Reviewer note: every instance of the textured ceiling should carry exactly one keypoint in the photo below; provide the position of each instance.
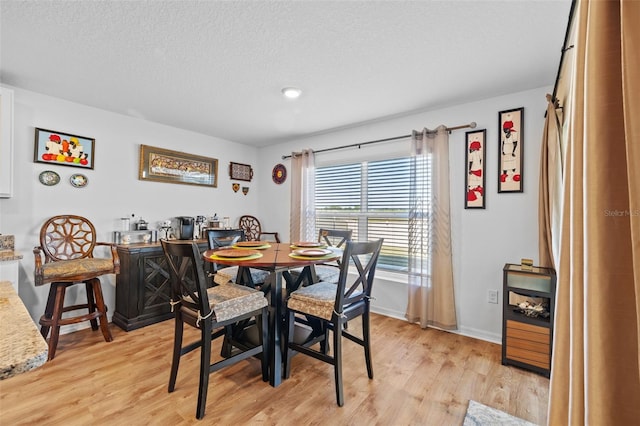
(217, 67)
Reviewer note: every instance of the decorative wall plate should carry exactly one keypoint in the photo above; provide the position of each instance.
(49, 178)
(78, 180)
(279, 173)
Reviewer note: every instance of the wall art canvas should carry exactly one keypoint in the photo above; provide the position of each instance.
(475, 193)
(511, 150)
(163, 165)
(63, 149)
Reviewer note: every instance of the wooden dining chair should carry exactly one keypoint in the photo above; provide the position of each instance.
(67, 243)
(253, 230)
(334, 305)
(219, 238)
(327, 272)
(211, 310)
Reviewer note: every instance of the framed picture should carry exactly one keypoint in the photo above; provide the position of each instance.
(511, 150)
(163, 165)
(63, 149)
(475, 174)
(239, 171)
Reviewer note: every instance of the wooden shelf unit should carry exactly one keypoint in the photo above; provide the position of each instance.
(527, 341)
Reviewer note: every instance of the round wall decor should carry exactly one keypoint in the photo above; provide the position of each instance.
(49, 178)
(78, 180)
(279, 173)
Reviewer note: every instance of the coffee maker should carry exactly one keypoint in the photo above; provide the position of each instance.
(185, 228)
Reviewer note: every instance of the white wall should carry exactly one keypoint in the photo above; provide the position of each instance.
(113, 189)
(483, 240)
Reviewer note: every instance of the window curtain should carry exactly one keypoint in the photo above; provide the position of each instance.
(303, 209)
(595, 376)
(431, 296)
(550, 187)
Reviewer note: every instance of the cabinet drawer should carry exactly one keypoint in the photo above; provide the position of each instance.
(528, 345)
(527, 327)
(529, 357)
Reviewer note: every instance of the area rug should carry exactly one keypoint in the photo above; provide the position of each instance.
(481, 415)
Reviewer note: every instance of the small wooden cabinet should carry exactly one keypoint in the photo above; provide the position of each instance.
(143, 286)
(527, 332)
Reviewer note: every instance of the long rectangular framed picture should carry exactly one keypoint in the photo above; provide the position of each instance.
(163, 165)
(511, 152)
(475, 173)
(63, 149)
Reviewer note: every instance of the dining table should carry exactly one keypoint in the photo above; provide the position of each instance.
(279, 259)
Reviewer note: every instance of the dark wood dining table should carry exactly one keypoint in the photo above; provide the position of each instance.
(276, 259)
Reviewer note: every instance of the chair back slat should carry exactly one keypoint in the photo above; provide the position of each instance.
(188, 283)
(334, 237)
(363, 256)
(67, 237)
(224, 237)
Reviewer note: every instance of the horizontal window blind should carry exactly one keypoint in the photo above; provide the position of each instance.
(372, 200)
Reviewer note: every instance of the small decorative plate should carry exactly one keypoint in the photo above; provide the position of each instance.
(279, 173)
(49, 178)
(250, 244)
(235, 253)
(312, 252)
(308, 244)
(78, 180)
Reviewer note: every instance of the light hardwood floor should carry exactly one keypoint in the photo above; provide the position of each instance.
(421, 377)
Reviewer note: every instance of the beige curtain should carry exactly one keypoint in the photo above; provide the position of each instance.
(303, 209)
(595, 376)
(550, 194)
(431, 296)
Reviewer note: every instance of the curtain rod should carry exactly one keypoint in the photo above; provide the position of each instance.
(564, 49)
(448, 129)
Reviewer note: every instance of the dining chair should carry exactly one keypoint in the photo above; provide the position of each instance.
(330, 271)
(211, 310)
(219, 238)
(334, 305)
(67, 243)
(253, 230)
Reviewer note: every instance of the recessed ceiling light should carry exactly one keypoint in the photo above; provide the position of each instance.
(291, 92)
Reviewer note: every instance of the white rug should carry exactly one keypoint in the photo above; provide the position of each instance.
(481, 415)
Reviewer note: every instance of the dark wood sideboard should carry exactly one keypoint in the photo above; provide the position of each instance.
(143, 286)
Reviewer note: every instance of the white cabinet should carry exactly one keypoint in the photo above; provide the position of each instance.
(6, 142)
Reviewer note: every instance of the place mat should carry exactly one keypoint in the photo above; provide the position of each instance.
(325, 257)
(314, 252)
(250, 257)
(307, 244)
(257, 245)
(234, 253)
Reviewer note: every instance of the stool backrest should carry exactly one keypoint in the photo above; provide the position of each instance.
(67, 237)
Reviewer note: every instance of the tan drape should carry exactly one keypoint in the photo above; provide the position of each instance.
(595, 375)
(302, 217)
(431, 292)
(549, 194)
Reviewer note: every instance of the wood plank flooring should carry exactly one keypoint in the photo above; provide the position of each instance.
(421, 377)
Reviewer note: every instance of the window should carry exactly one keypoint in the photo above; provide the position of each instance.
(372, 199)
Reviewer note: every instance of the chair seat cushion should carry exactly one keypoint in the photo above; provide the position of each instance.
(325, 273)
(67, 270)
(229, 274)
(231, 300)
(318, 300)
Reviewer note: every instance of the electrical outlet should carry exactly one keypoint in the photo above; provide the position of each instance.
(492, 296)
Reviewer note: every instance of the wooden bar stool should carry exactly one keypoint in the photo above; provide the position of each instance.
(67, 242)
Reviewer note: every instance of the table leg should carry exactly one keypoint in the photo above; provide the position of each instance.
(275, 335)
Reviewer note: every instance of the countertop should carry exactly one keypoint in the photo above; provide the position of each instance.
(22, 347)
(6, 255)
